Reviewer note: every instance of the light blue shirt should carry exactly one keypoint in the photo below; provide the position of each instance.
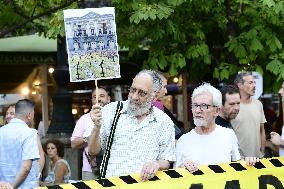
(17, 143)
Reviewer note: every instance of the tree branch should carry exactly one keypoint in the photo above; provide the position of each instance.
(17, 26)
(17, 10)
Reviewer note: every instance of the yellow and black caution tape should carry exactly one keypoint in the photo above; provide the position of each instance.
(266, 174)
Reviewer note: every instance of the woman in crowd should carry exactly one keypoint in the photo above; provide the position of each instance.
(10, 113)
(58, 169)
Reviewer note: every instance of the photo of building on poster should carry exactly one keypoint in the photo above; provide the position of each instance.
(91, 42)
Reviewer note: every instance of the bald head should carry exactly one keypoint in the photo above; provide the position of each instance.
(154, 78)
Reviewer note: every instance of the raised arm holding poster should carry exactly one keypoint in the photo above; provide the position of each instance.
(91, 42)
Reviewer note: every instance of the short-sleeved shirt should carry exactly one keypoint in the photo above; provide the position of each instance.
(83, 125)
(220, 146)
(135, 143)
(247, 128)
(17, 143)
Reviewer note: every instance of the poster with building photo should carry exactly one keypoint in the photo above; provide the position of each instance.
(91, 42)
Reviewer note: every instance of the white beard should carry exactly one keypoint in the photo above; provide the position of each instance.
(138, 110)
(200, 122)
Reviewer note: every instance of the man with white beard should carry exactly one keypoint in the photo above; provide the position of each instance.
(143, 141)
(208, 143)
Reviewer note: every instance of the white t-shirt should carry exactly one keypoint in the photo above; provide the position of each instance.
(220, 146)
(281, 149)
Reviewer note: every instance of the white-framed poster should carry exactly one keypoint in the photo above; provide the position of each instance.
(91, 42)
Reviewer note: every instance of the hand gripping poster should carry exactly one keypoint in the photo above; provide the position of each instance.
(91, 42)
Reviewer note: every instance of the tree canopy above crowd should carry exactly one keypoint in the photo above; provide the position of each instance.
(204, 38)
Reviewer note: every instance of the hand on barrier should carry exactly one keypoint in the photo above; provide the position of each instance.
(149, 170)
(190, 166)
(251, 160)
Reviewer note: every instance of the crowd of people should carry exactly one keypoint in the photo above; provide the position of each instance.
(140, 135)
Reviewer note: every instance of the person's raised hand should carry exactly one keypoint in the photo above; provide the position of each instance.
(96, 115)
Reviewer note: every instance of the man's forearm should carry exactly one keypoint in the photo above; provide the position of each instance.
(41, 154)
(78, 143)
(23, 173)
(94, 142)
(262, 138)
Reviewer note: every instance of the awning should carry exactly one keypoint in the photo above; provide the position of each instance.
(29, 43)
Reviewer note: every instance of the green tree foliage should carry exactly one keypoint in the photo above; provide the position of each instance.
(19, 17)
(199, 36)
(206, 38)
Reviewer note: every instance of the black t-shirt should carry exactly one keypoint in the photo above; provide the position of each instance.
(222, 122)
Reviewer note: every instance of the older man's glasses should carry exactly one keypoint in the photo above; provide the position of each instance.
(140, 92)
(202, 106)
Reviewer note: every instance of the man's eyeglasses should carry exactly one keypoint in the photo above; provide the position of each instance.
(140, 92)
(202, 106)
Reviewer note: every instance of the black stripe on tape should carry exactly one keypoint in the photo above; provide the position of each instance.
(173, 174)
(128, 179)
(237, 166)
(81, 185)
(276, 163)
(154, 178)
(54, 187)
(216, 168)
(105, 183)
(259, 165)
(198, 172)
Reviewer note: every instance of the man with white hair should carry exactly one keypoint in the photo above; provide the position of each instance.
(144, 136)
(207, 143)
